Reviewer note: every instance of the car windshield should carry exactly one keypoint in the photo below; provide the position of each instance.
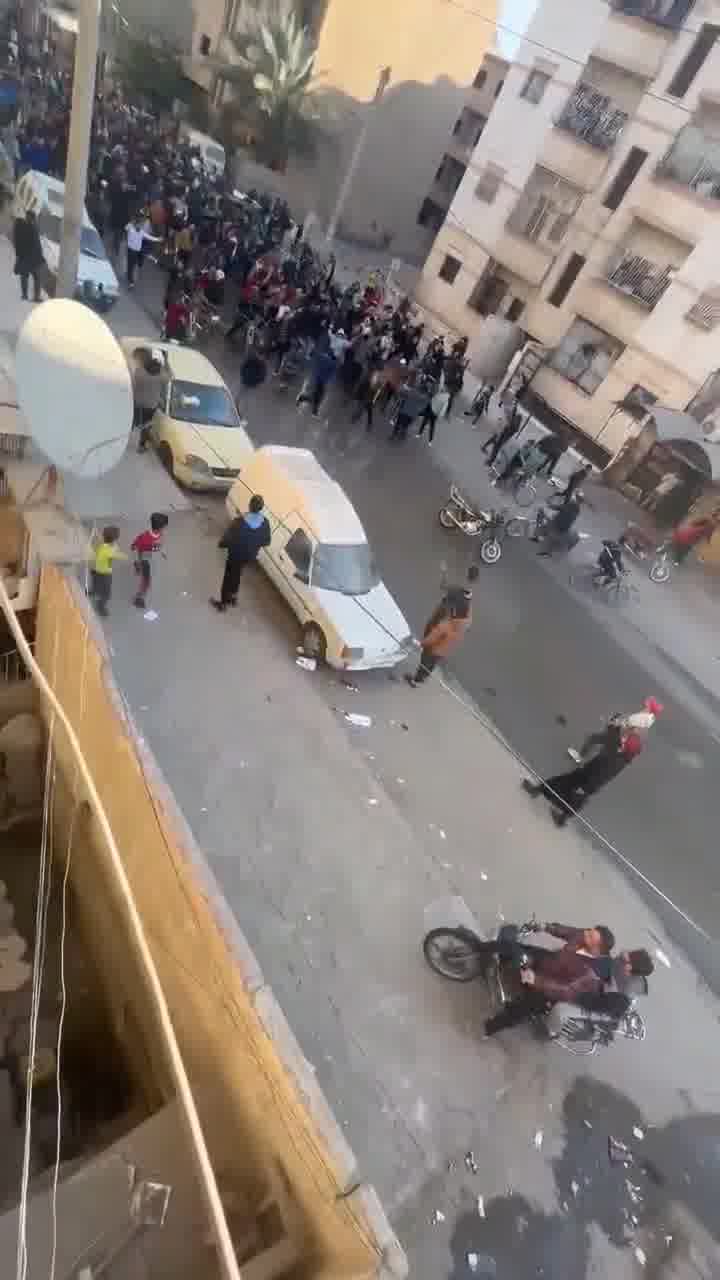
(350, 569)
(208, 406)
(50, 226)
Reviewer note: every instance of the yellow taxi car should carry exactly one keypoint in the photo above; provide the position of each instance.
(197, 431)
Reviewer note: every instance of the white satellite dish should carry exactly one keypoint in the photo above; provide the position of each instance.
(74, 387)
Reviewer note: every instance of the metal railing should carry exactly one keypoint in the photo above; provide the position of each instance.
(12, 667)
(591, 116)
(694, 163)
(665, 13)
(638, 277)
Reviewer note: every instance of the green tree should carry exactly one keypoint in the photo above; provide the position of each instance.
(150, 68)
(268, 66)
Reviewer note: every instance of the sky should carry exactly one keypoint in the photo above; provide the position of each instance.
(514, 14)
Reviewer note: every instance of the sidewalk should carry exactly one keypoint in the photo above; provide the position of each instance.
(336, 848)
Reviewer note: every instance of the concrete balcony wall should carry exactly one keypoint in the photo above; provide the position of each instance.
(633, 44)
(569, 157)
(523, 257)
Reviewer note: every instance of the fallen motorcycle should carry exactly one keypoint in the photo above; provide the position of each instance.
(458, 953)
(489, 526)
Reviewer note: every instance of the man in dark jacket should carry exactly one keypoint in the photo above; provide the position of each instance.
(613, 750)
(578, 969)
(243, 540)
(29, 259)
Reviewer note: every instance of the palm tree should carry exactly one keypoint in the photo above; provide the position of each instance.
(269, 66)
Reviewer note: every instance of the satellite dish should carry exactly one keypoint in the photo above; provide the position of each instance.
(74, 388)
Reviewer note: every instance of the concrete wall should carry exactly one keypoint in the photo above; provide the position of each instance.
(267, 1122)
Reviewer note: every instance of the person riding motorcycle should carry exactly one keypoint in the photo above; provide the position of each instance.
(628, 980)
(610, 562)
(579, 968)
(559, 534)
(526, 459)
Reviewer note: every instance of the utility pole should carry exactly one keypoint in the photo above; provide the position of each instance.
(83, 99)
(383, 82)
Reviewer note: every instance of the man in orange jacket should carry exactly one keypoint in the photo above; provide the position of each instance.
(443, 633)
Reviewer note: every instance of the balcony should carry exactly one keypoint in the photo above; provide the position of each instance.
(638, 278)
(693, 161)
(591, 117)
(664, 13)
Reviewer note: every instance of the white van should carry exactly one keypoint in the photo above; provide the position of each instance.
(320, 559)
(46, 196)
(212, 152)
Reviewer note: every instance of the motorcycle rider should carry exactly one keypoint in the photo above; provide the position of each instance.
(580, 967)
(610, 562)
(558, 533)
(628, 979)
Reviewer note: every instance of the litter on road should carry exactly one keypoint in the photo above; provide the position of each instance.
(483, 875)
(662, 957)
(372, 800)
(640, 1255)
(470, 1162)
(638, 1132)
(308, 664)
(150, 615)
(538, 1140)
(481, 1206)
(362, 722)
(437, 1217)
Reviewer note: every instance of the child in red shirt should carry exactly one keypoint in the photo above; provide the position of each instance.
(144, 546)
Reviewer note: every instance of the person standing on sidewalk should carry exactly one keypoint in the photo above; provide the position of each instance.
(437, 408)
(444, 630)
(29, 257)
(480, 404)
(499, 439)
(105, 554)
(569, 792)
(144, 546)
(242, 540)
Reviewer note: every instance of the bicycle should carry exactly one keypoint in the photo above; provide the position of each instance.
(615, 591)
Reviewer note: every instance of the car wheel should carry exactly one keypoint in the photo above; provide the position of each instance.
(314, 642)
(166, 457)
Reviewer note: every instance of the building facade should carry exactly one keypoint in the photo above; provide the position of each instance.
(433, 53)
(588, 223)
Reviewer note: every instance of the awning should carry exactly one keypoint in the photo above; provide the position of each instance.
(673, 425)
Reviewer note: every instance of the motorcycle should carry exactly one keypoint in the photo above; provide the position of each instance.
(487, 525)
(637, 542)
(457, 953)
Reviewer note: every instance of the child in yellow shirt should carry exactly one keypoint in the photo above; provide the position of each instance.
(105, 553)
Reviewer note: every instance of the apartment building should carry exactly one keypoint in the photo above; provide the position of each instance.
(432, 53)
(587, 226)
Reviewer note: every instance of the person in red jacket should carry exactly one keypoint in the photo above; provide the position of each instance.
(144, 546)
(579, 968)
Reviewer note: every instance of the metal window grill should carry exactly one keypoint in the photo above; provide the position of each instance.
(591, 116)
(545, 209)
(705, 313)
(638, 277)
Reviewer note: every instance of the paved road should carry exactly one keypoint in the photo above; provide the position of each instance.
(545, 665)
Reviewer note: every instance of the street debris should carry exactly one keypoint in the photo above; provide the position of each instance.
(400, 782)
(143, 708)
(150, 615)
(483, 875)
(481, 1206)
(638, 1132)
(574, 755)
(575, 1187)
(372, 800)
(640, 1255)
(538, 1139)
(362, 722)
(307, 664)
(451, 1166)
(662, 957)
(619, 1153)
(470, 1162)
(473, 1261)
(634, 1192)
(587, 1124)
(437, 1217)
(442, 834)
(203, 810)
(351, 688)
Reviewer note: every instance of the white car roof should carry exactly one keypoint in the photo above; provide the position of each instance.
(54, 192)
(322, 503)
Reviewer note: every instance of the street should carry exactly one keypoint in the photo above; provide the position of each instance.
(334, 893)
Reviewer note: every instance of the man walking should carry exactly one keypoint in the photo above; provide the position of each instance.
(243, 540)
(617, 747)
(499, 439)
(437, 408)
(444, 629)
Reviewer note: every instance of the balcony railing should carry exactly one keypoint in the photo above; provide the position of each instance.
(694, 161)
(638, 277)
(666, 13)
(591, 116)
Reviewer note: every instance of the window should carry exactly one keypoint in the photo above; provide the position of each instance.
(515, 310)
(449, 269)
(586, 355)
(535, 86)
(480, 78)
(450, 174)
(568, 276)
(667, 13)
(298, 550)
(489, 183)
(545, 209)
(431, 215)
(346, 567)
(705, 313)
(204, 46)
(702, 46)
(499, 88)
(205, 406)
(625, 176)
(468, 127)
(638, 401)
(488, 293)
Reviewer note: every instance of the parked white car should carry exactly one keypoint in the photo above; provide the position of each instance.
(46, 196)
(321, 561)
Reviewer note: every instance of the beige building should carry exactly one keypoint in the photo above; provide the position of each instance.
(586, 230)
(433, 52)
